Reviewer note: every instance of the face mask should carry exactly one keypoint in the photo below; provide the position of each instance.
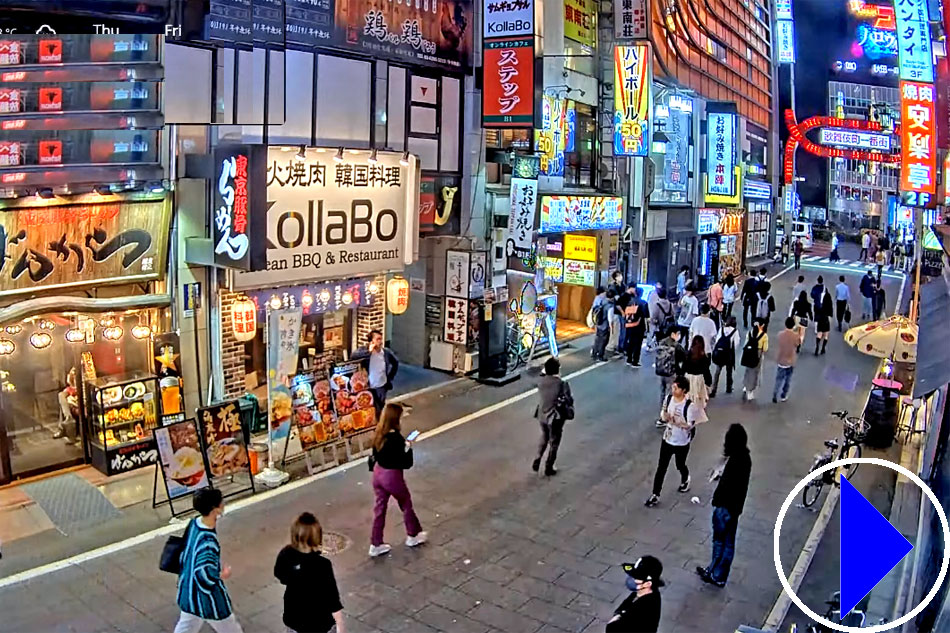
(631, 584)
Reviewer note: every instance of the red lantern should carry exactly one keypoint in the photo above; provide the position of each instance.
(397, 295)
(244, 319)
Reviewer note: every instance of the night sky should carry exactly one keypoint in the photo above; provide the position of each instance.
(820, 25)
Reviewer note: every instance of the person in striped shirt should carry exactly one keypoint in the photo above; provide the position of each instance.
(202, 596)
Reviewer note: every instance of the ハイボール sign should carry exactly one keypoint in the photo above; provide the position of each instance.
(78, 245)
(329, 219)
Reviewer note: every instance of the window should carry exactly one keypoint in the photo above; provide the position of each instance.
(579, 164)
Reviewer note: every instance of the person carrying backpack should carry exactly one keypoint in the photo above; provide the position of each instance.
(600, 316)
(681, 419)
(727, 349)
(635, 323)
(662, 316)
(670, 362)
(765, 303)
(753, 352)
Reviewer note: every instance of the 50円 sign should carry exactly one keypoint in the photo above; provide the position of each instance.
(73, 246)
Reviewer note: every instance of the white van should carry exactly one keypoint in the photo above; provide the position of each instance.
(802, 230)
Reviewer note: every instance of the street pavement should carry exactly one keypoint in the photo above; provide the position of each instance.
(508, 550)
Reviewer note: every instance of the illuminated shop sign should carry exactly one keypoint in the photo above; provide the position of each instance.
(504, 18)
(756, 190)
(582, 247)
(230, 212)
(508, 83)
(783, 9)
(863, 140)
(707, 221)
(720, 153)
(913, 36)
(631, 100)
(551, 139)
(918, 139)
(562, 214)
(785, 41)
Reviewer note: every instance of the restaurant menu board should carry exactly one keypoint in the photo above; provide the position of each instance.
(352, 400)
(179, 454)
(224, 439)
(579, 273)
(313, 409)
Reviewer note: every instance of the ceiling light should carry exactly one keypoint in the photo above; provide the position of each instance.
(141, 331)
(7, 347)
(40, 340)
(374, 156)
(301, 154)
(113, 333)
(338, 157)
(404, 161)
(75, 335)
(45, 193)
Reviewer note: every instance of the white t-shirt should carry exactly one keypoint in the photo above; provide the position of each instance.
(689, 308)
(674, 434)
(705, 327)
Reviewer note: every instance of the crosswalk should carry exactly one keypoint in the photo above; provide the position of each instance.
(824, 262)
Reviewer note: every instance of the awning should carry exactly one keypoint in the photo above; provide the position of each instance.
(933, 351)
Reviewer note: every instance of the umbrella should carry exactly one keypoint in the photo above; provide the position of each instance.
(894, 338)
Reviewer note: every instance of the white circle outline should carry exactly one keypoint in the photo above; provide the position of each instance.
(879, 628)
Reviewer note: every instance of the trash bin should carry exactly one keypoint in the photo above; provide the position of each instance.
(258, 457)
(881, 417)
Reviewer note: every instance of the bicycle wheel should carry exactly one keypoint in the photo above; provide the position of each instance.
(850, 469)
(811, 492)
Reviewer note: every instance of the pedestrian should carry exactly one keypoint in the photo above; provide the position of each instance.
(842, 299)
(865, 245)
(872, 249)
(765, 303)
(616, 283)
(653, 300)
(202, 596)
(311, 598)
(897, 258)
(799, 249)
(662, 316)
(884, 246)
(756, 345)
(834, 257)
(879, 260)
(613, 318)
(681, 280)
(635, 323)
(785, 249)
(640, 611)
(681, 418)
(824, 313)
(817, 291)
(697, 370)
(689, 308)
(714, 297)
(392, 456)
(725, 352)
(705, 327)
(555, 407)
(729, 292)
(381, 364)
(749, 291)
(599, 315)
(670, 363)
(798, 287)
(879, 300)
(728, 501)
(802, 313)
(867, 295)
(788, 345)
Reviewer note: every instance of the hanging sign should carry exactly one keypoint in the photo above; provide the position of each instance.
(507, 18)
(457, 274)
(232, 186)
(477, 274)
(631, 100)
(582, 247)
(918, 138)
(521, 215)
(630, 19)
(455, 329)
(397, 295)
(913, 40)
(508, 83)
(785, 41)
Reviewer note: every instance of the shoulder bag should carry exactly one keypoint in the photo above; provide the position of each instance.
(170, 560)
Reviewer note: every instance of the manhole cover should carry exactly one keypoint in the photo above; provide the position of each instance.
(334, 543)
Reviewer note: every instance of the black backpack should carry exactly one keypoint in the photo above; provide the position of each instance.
(750, 351)
(668, 322)
(724, 353)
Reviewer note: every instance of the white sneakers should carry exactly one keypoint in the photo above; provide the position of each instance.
(418, 539)
(379, 550)
(411, 541)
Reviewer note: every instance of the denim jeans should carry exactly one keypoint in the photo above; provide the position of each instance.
(867, 307)
(724, 526)
(783, 380)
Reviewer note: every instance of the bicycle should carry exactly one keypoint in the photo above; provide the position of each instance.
(856, 618)
(854, 431)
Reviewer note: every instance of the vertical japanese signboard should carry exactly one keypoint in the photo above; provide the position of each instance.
(632, 100)
(231, 209)
(720, 153)
(508, 88)
(524, 198)
(580, 21)
(785, 41)
(283, 343)
(551, 139)
(630, 19)
(918, 138)
(913, 40)
(456, 321)
(223, 437)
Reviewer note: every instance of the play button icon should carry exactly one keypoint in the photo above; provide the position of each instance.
(870, 547)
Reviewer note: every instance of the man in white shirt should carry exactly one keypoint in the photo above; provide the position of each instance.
(865, 245)
(689, 308)
(705, 327)
(798, 287)
(681, 416)
(380, 364)
(842, 298)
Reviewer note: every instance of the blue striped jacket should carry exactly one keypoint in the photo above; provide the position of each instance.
(201, 591)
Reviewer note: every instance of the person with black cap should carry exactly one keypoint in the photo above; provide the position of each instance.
(640, 612)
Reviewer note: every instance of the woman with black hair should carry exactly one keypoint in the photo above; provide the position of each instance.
(728, 501)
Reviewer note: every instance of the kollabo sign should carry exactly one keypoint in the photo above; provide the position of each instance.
(332, 220)
(507, 18)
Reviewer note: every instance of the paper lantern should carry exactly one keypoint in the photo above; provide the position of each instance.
(7, 347)
(141, 331)
(40, 340)
(244, 319)
(397, 295)
(75, 335)
(112, 333)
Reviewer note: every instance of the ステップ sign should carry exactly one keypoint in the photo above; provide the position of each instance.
(508, 91)
(333, 220)
(918, 138)
(631, 100)
(720, 154)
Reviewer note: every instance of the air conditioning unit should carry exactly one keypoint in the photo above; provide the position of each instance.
(442, 356)
(467, 362)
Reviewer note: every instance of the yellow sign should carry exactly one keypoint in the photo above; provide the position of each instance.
(581, 247)
(580, 21)
(734, 199)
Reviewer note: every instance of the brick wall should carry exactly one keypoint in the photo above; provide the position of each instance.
(232, 350)
(373, 317)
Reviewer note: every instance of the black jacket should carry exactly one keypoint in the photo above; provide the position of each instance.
(734, 483)
(394, 455)
(392, 363)
(698, 368)
(311, 597)
(750, 290)
(637, 615)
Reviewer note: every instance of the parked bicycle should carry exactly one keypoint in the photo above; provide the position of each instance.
(856, 618)
(854, 432)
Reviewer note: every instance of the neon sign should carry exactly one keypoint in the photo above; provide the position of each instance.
(877, 43)
(883, 15)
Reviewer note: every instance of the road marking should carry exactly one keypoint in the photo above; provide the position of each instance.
(419, 392)
(819, 266)
(811, 258)
(781, 272)
(266, 495)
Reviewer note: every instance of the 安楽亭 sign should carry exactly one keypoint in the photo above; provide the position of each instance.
(631, 100)
(918, 138)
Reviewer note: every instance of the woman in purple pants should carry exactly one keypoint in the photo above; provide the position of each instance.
(392, 454)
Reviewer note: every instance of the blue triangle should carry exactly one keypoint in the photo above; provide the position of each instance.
(870, 547)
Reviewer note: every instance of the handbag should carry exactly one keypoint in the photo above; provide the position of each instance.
(170, 560)
(847, 314)
(564, 405)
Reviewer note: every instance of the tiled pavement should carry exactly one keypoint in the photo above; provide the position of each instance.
(509, 551)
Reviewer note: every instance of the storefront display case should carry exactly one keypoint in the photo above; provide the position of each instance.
(122, 413)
